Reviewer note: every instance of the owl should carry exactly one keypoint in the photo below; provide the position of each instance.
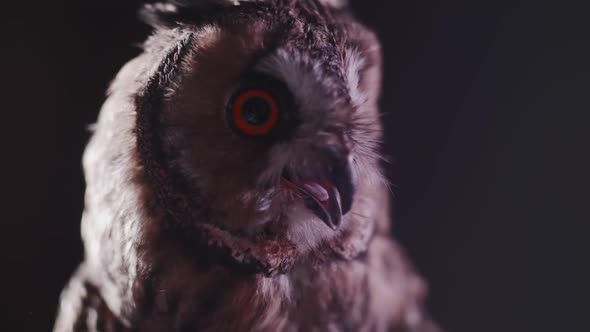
(234, 182)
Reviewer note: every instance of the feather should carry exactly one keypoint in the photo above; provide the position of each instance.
(191, 225)
(208, 3)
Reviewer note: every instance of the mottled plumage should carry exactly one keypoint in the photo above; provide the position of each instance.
(191, 226)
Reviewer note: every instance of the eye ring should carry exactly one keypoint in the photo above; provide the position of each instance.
(244, 125)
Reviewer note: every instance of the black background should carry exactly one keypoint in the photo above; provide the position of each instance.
(487, 113)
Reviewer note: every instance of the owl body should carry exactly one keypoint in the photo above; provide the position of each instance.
(233, 181)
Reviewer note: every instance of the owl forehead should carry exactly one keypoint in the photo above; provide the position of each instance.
(312, 54)
(305, 47)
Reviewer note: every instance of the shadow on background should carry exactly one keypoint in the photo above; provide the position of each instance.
(486, 120)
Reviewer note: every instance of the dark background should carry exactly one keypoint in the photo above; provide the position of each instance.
(487, 114)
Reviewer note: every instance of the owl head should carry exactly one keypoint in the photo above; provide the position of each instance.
(258, 128)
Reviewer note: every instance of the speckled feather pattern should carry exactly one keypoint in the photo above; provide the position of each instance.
(184, 227)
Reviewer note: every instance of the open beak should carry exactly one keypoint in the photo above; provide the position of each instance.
(328, 193)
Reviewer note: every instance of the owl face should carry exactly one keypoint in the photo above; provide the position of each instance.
(267, 119)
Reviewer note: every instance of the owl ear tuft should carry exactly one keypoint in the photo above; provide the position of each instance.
(203, 3)
(169, 14)
(336, 4)
(159, 15)
(209, 3)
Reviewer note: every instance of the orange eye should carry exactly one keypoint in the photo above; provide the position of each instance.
(254, 112)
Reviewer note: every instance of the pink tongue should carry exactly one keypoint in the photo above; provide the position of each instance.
(319, 192)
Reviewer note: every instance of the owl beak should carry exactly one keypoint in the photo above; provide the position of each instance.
(328, 195)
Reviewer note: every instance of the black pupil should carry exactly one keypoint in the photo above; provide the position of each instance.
(256, 111)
